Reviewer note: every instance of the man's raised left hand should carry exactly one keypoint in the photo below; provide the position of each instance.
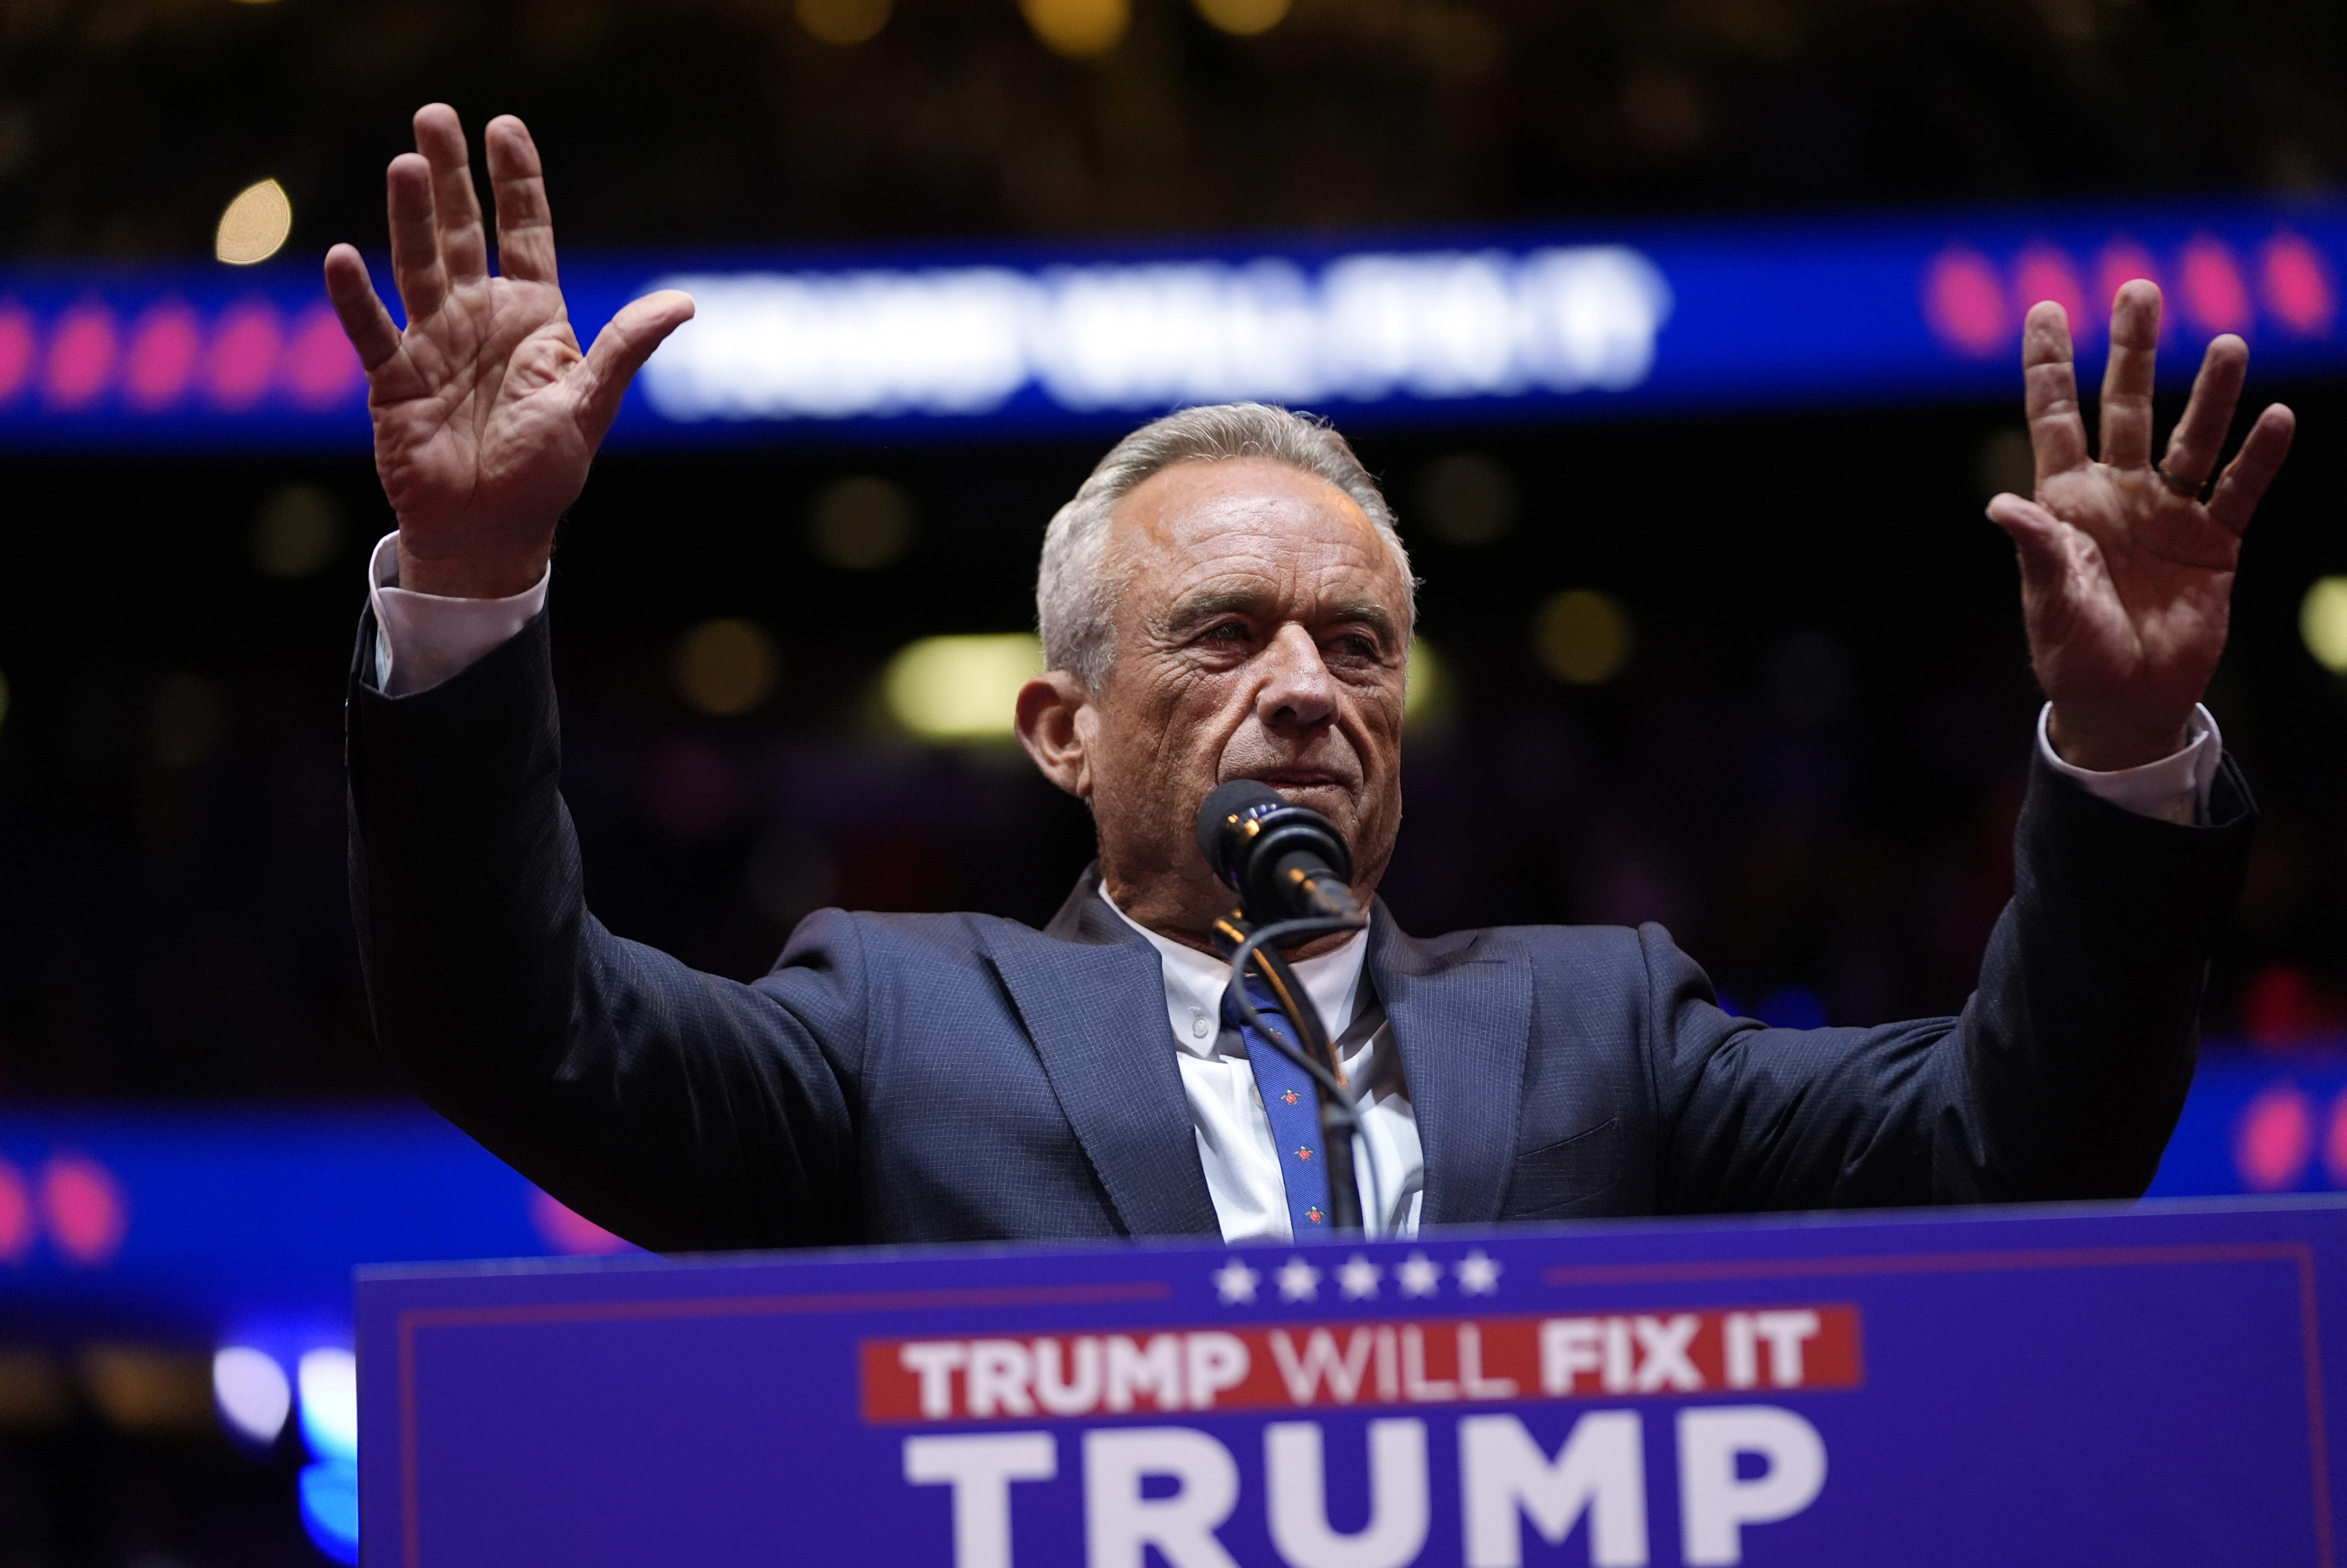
(2127, 574)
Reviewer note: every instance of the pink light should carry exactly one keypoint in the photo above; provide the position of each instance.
(2334, 1142)
(85, 1207)
(163, 349)
(321, 366)
(2121, 264)
(18, 344)
(15, 1215)
(1964, 303)
(82, 355)
(2214, 292)
(572, 1235)
(2274, 1139)
(2298, 286)
(244, 359)
(2043, 271)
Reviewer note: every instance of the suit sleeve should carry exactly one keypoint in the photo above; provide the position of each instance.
(2062, 1080)
(681, 1110)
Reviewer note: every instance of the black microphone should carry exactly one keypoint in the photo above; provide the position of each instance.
(1284, 861)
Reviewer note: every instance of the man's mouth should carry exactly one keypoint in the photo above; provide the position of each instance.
(1302, 778)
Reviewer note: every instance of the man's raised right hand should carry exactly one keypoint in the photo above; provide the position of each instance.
(486, 413)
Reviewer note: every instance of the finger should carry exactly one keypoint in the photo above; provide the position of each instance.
(414, 242)
(463, 248)
(2199, 435)
(524, 222)
(2057, 433)
(620, 350)
(2126, 380)
(2253, 468)
(368, 325)
(2039, 538)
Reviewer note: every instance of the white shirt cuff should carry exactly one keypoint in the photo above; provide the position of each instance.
(423, 639)
(2173, 789)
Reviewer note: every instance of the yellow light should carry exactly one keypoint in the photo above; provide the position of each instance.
(1243, 18)
(186, 723)
(1428, 693)
(723, 668)
(296, 533)
(1582, 637)
(1079, 29)
(2322, 621)
(960, 688)
(861, 524)
(843, 22)
(255, 226)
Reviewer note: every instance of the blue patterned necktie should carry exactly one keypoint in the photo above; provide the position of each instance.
(1294, 1104)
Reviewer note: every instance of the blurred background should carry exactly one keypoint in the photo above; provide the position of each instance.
(1683, 336)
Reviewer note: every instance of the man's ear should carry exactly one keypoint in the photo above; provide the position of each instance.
(1056, 720)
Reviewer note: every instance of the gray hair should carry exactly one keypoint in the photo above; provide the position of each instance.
(1076, 594)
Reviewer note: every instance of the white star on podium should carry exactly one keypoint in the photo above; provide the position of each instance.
(1478, 1275)
(1359, 1278)
(1420, 1275)
(1234, 1282)
(1298, 1280)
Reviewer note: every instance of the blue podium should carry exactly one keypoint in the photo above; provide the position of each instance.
(2154, 1387)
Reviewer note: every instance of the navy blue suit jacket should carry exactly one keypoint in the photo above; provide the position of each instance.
(901, 1078)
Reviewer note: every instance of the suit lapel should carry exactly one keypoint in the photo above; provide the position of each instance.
(1461, 1018)
(1092, 995)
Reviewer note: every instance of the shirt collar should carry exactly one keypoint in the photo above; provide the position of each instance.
(1194, 981)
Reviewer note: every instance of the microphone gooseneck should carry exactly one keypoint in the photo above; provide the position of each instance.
(1293, 874)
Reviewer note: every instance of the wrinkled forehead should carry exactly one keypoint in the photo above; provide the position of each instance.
(1232, 521)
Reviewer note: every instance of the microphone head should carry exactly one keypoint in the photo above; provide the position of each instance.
(1245, 828)
(1222, 819)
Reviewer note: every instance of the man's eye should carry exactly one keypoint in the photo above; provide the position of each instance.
(1229, 632)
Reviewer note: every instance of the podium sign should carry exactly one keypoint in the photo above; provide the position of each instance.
(2015, 1388)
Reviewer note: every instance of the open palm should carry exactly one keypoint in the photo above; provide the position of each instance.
(2127, 573)
(487, 414)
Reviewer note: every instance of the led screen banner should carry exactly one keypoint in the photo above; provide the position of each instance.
(1038, 341)
(2151, 1388)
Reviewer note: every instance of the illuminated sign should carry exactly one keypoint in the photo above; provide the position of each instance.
(1538, 324)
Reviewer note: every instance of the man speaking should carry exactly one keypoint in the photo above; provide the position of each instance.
(1226, 599)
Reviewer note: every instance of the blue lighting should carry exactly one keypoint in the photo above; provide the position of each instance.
(1083, 341)
(330, 1508)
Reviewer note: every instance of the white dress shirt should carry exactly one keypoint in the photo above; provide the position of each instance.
(423, 639)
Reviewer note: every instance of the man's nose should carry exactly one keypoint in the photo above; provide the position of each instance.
(1297, 692)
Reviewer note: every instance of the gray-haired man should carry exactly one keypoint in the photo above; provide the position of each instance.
(1225, 598)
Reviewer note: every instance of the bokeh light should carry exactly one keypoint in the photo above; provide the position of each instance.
(1582, 637)
(328, 1382)
(144, 1389)
(2274, 1139)
(186, 723)
(255, 225)
(330, 1508)
(1467, 500)
(84, 1208)
(843, 22)
(1429, 694)
(1079, 29)
(2322, 623)
(724, 668)
(253, 1393)
(296, 533)
(861, 523)
(2007, 464)
(961, 688)
(1243, 19)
